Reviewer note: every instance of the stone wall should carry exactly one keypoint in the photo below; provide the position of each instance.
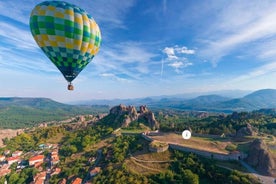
(219, 156)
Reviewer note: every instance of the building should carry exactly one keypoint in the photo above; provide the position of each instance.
(40, 178)
(157, 146)
(45, 146)
(95, 171)
(63, 181)
(2, 158)
(12, 160)
(4, 170)
(17, 153)
(54, 157)
(36, 160)
(77, 181)
(55, 171)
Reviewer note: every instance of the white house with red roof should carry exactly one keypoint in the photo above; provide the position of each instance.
(36, 159)
(12, 160)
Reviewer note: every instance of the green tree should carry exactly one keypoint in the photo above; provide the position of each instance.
(189, 177)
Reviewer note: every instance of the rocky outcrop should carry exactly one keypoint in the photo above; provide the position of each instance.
(146, 116)
(246, 131)
(127, 114)
(260, 158)
(8, 133)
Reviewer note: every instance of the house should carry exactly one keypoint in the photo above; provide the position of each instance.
(55, 161)
(4, 170)
(95, 171)
(55, 171)
(77, 181)
(2, 158)
(36, 160)
(63, 181)
(54, 157)
(12, 160)
(45, 146)
(17, 153)
(39, 178)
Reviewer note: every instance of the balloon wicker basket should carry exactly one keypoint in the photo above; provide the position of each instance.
(70, 87)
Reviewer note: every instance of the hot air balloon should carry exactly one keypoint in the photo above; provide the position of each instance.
(67, 34)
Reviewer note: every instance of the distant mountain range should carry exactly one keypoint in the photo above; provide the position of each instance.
(28, 112)
(260, 99)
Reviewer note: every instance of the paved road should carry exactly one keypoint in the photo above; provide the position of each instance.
(263, 179)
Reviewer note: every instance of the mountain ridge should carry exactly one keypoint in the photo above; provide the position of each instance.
(260, 99)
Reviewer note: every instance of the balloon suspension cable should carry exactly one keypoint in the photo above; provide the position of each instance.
(70, 86)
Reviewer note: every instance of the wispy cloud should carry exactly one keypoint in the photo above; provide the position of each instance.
(17, 38)
(237, 24)
(109, 11)
(115, 77)
(130, 58)
(257, 72)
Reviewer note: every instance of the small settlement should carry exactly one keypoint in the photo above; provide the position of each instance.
(46, 164)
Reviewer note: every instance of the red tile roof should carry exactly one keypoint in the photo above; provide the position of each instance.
(13, 158)
(77, 181)
(37, 157)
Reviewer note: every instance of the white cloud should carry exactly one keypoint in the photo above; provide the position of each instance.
(169, 51)
(236, 25)
(175, 57)
(176, 64)
(184, 50)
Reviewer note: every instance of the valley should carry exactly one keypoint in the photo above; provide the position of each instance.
(121, 146)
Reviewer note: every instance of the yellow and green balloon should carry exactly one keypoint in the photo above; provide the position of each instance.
(67, 34)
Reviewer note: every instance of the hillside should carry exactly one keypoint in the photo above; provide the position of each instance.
(28, 112)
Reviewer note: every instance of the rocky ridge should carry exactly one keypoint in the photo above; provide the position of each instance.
(124, 115)
(260, 158)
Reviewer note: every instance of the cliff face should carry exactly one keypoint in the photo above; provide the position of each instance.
(260, 158)
(247, 131)
(127, 114)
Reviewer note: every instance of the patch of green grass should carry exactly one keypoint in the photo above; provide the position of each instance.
(244, 147)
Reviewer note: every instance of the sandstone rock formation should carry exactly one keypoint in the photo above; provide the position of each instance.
(246, 131)
(127, 114)
(260, 158)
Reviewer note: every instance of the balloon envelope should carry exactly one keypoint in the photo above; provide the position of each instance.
(67, 34)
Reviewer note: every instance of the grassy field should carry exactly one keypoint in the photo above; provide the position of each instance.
(201, 143)
(150, 167)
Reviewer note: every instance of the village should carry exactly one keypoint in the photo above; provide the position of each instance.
(45, 160)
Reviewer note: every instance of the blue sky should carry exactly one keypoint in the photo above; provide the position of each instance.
(149, 48)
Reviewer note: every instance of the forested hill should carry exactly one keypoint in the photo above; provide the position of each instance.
(27, 112)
